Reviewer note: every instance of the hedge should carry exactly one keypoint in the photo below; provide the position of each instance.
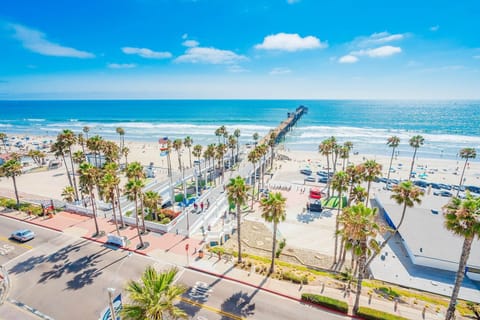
(294, 277)
(331, 303)
(372, 314)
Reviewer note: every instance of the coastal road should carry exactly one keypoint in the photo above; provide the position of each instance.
(66, 277)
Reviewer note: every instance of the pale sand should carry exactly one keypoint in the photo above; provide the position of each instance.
(50, 183)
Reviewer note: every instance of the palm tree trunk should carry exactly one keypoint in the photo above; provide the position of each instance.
(142, 215)
(119, 207)
(390, 167)
(341, 253)
(274, 245)
(136, 223)
(411, 168)
(384, 244)
(361, 263)
(239, 241)
(73, 175)
(190, 156)
(112, 196)
(467, 245)
(68, 172)
(368, 193)
(337, 224)
(16, 190)
(328, 177)
(253, 186)
(94, 212)
(461, 178)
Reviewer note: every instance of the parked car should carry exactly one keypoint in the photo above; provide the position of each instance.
(323, 179)
(310, 179)
(306, 172)
(420, 183)
(23, 235)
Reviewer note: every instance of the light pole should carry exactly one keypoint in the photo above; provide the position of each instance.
(110, 303)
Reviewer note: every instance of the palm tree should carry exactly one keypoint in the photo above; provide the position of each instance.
(262, 152)
(88, 181)
(37, 156)
(220, 151)
(272, 141)
(355, 175)
(109, 184)
(3, 138)
(151, 200)
(68, 139)
(81, 141)
(253, 157)
(466, 153)
(340, 184)
(462, 218)
(372, 171)
(415, 142)
(393, 143)
(188, 142)
(12, 169)
(79, 157)
(274, 210)
(86, 130)
(325, 148)
(237, 192)
(112, 168)
(220, 132)
(58, 148)
(236, 134)
(343, 153)
(135, 171)
(349, 146)
(208, 154)
(68, 194)
(232, 145)
(111, 151)
(360, 227)
(121, 133)
(154, 297)
(177, 145)
(255, 137)
(405, 193)
(133, 190)
(94, 144)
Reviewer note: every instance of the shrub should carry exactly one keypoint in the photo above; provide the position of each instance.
(282, 244)
(328, 302)
(389, 292)
(165, 220)
(289, 275)
(128, 213)
(170, 213)
(372, 314)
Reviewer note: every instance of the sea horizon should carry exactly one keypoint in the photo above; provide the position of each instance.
(447, 125)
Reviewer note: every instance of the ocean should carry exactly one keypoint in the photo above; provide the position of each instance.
(447, 126)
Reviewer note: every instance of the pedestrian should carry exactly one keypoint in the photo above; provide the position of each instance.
(208, 203)
(201, 205)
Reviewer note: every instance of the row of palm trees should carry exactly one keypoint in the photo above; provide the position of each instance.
(357, 226)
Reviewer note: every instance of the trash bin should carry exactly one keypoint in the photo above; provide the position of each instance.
(200, 254)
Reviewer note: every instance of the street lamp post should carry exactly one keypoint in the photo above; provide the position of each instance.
(110, 303)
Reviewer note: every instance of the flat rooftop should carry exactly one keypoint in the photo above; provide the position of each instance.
(424, 232)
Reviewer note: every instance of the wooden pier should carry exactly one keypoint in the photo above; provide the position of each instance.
(285, 126)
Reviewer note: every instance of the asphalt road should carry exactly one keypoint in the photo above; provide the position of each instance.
(65, 277)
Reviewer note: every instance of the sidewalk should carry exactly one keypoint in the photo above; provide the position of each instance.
(171, 247)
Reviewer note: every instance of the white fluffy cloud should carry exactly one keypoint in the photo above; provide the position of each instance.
(146, 53)
(348, 59)
(279, 70)
(380, 52)
(36, 41)
(290, 42)
(210, 56)
(121, 65)
(190, 43)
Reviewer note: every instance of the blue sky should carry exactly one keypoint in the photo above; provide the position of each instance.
(251, 49)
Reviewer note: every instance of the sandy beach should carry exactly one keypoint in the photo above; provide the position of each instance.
(49, 183)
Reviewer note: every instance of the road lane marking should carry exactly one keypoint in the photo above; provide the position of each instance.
(26, 246)
(204, 306)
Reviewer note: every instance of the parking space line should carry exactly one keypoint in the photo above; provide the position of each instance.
(26, 246)
(204, 306)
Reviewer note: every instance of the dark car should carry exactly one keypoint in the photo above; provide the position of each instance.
(314, 206)
(420, 183)
(306, 172)
(323, 179)
(23, 235)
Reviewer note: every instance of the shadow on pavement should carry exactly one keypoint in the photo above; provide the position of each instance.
(27, 265)
(239, 304)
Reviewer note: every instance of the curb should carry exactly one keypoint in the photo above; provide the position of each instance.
(31, 222)
(272, 292)
(123, 248)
